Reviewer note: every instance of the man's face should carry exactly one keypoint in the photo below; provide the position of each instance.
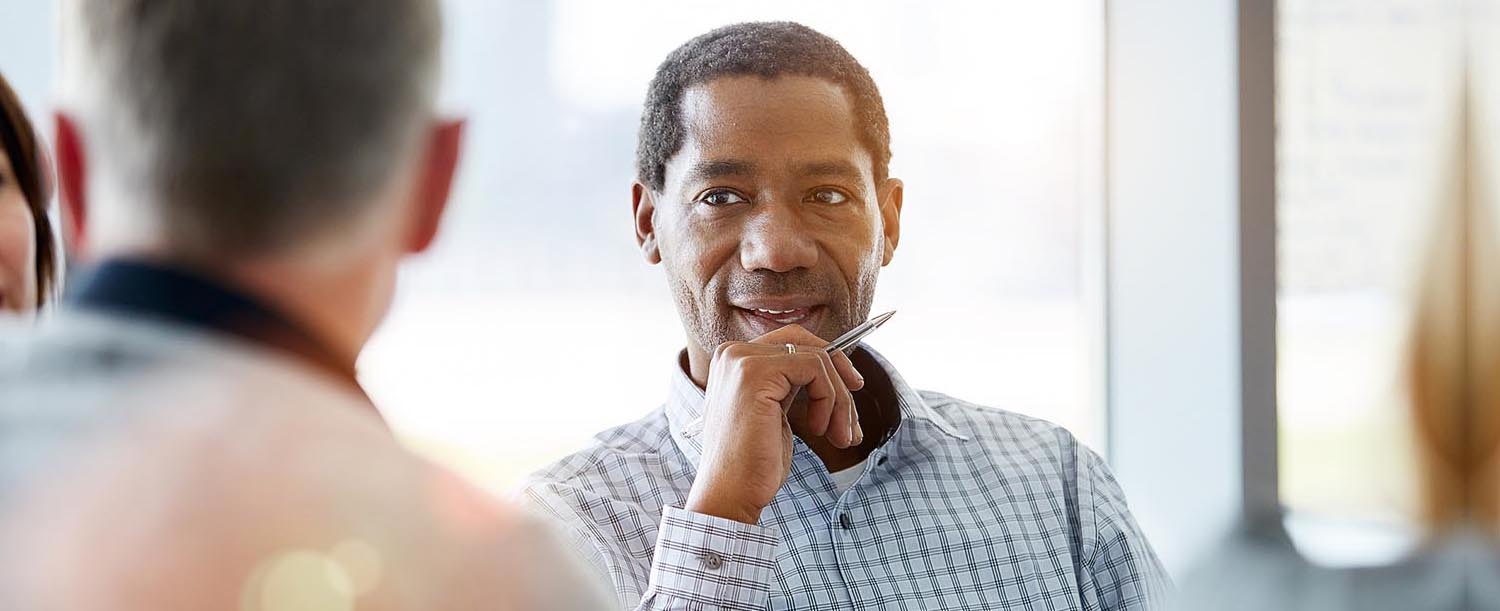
(17, 244)
(770, 213)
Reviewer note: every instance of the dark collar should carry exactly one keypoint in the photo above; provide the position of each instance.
(182, 297)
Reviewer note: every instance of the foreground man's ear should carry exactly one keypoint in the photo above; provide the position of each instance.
(440, 163)
(72, 177)
(891, 192)
(643, 206)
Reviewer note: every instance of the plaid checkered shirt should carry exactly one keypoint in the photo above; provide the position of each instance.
(962, 507)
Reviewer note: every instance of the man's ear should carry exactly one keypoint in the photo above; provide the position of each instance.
(891, 192)
(435, 181)
(72, 178)
(643, 206)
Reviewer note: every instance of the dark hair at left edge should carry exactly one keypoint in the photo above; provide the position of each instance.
(29, 161)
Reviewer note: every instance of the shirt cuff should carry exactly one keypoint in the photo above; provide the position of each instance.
(713, 561)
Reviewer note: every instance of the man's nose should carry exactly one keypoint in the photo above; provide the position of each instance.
(777, 240)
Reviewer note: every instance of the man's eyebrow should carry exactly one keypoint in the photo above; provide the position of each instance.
(834, 167)
(705, 171)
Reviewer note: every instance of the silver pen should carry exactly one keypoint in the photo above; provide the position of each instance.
(848, 341)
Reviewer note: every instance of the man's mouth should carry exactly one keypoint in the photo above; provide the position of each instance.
(790, 316)
(763, 316)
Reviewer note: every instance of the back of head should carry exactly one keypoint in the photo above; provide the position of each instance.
(231, 128)
(768, 50)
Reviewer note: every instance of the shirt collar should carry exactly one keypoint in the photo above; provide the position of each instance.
(686, 401)
(182, 297)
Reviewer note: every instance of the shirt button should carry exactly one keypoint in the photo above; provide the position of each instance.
(880, 462)
(712, 561)
(845, 521)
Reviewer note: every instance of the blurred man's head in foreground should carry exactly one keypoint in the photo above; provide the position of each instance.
(277, 133)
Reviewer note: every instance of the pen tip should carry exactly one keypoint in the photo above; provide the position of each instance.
(880, 320)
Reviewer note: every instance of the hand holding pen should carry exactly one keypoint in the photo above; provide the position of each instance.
(746, 434)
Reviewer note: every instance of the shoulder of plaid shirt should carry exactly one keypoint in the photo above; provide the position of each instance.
(962, 507)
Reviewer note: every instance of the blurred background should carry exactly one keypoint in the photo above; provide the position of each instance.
(1368, 94)
(1004, 132)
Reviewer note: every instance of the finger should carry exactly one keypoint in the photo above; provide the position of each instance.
(796, 334)
(859, 431)
(797, 371)
(847, 372)
(840, 428)
(822, 396)
(729, 352)
(834, 420)
(818, 417)
(791, 334)
(748, 349)
(741, 350)
(830, 407)
(719, 351)
(790, 400)
(819, 414)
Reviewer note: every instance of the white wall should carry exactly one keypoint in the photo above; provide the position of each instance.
(28, 51)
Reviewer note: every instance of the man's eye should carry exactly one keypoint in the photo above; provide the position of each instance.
(829, 196)
(722, 198)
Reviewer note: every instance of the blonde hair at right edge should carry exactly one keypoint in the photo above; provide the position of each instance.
(1454, 357)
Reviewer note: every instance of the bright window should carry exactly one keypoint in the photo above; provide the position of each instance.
(1367, 96)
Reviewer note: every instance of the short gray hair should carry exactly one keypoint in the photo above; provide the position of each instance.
(251, 125)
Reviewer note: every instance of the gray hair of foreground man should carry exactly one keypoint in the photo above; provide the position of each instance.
(230, 127)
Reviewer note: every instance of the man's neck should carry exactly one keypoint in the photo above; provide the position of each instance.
(335, 307)
(332, 304)
(697, 364)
